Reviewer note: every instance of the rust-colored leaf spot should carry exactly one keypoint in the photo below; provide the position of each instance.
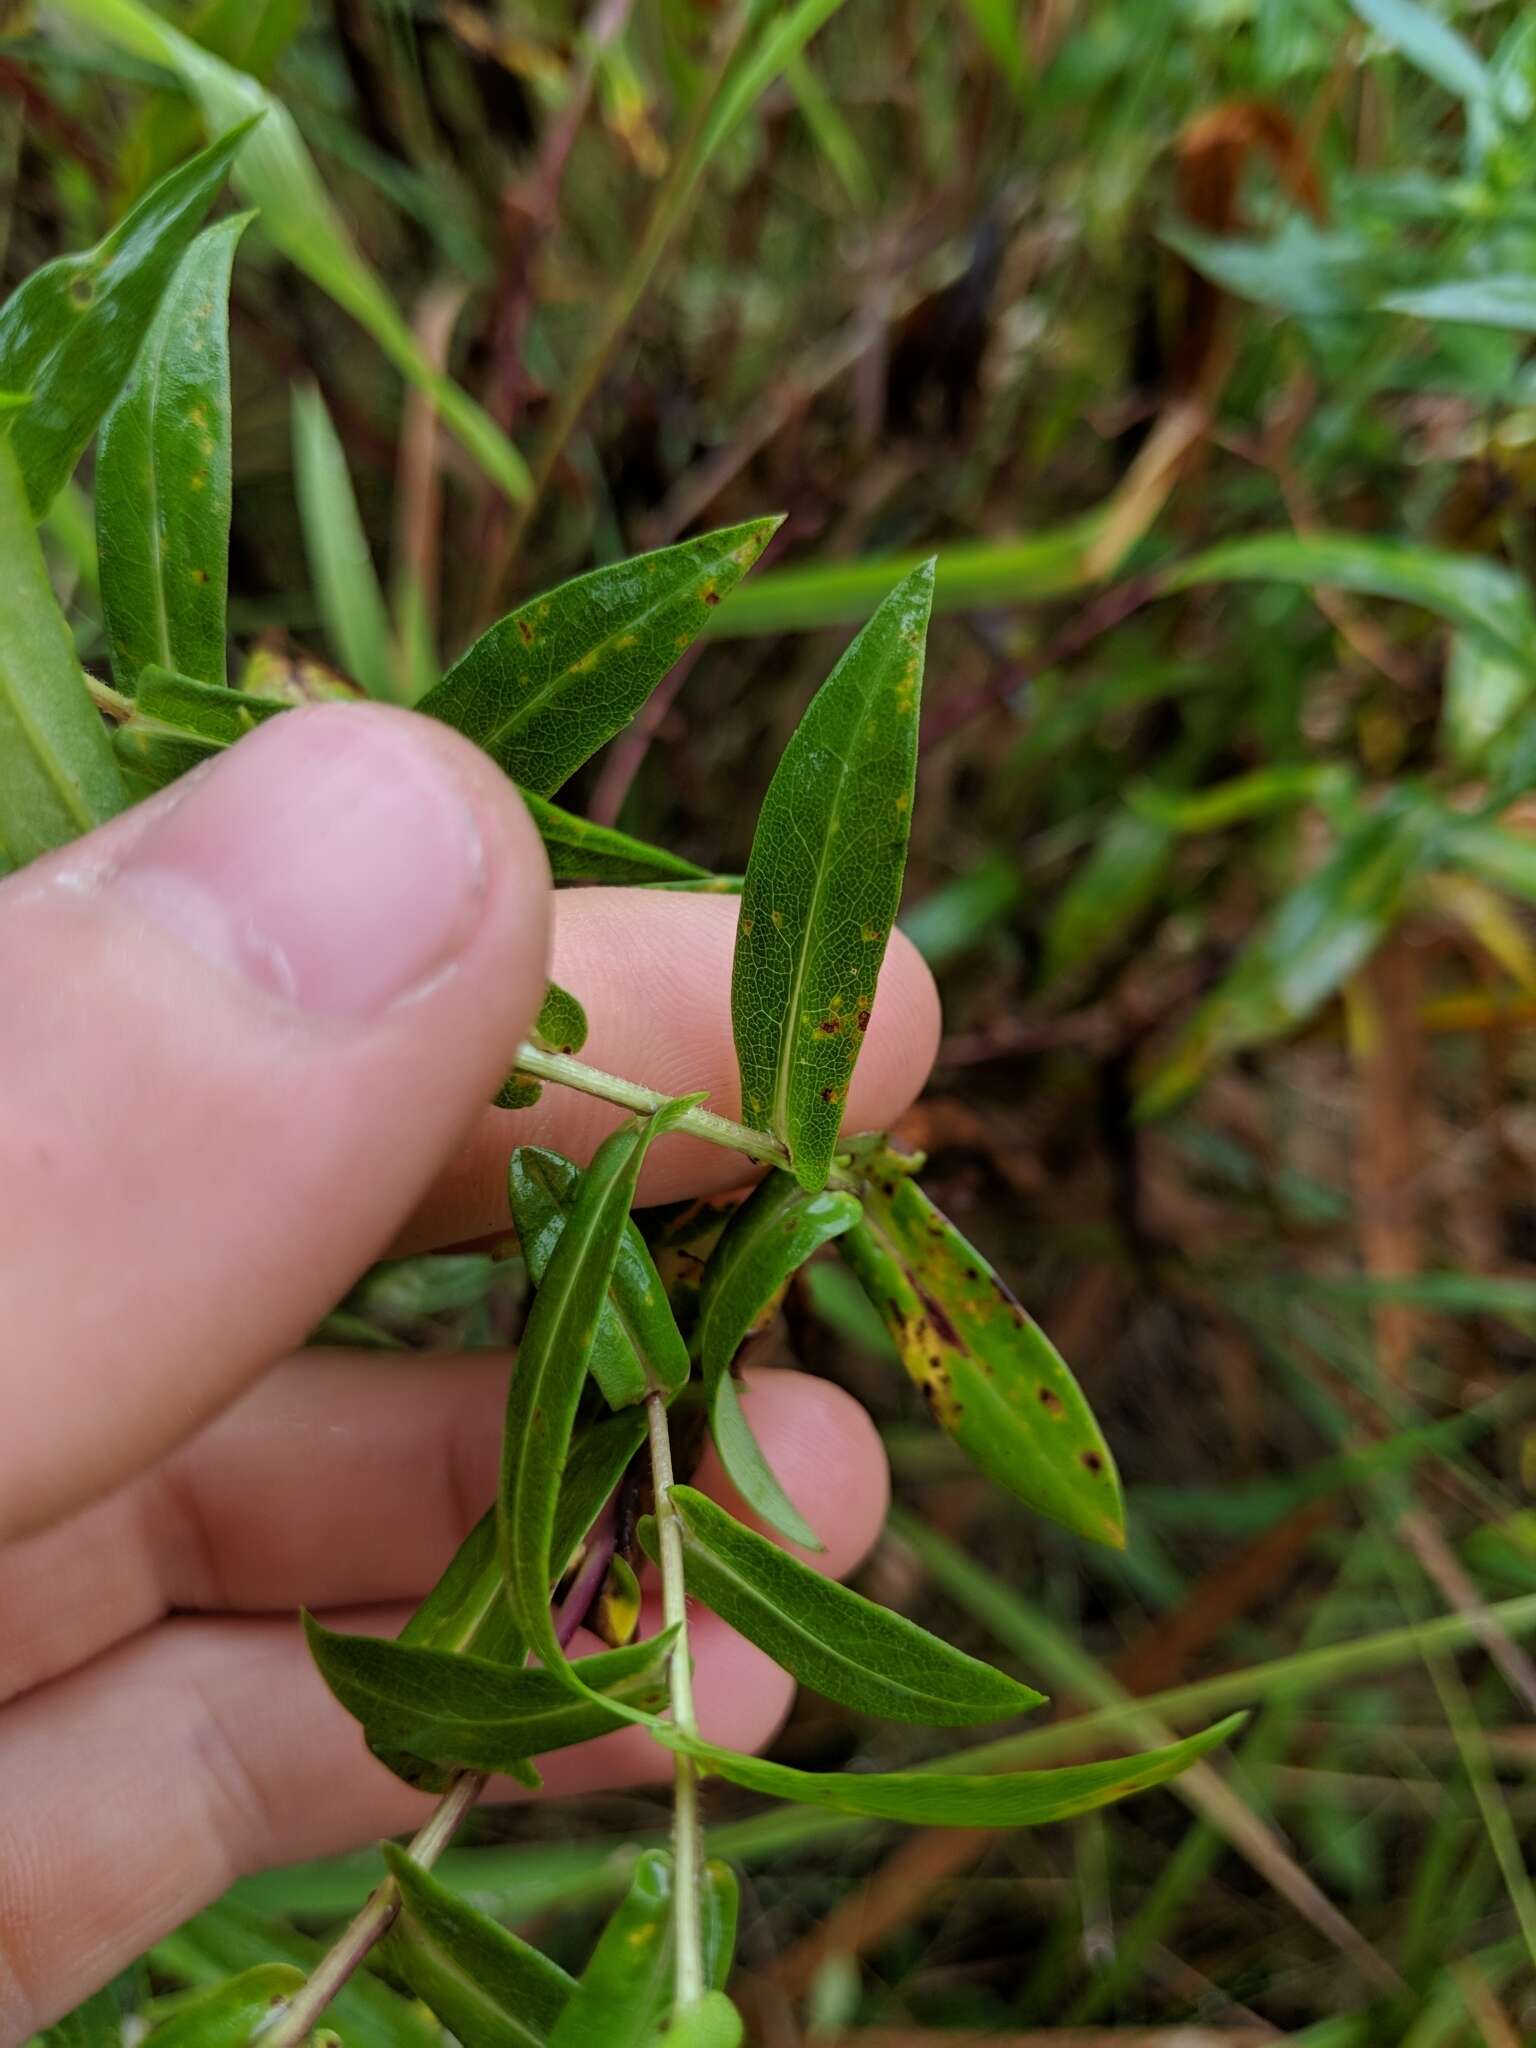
(1050, 1400)
(1092, 1461)
(525, 632)
(941, 1322)
(862, 1020)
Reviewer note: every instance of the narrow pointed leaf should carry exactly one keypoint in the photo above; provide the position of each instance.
(163, 487)
(720, 1909)
(58, 777)
(636, 1347)
(622, 1994)
(486, 1986)
(227, 2015)
(1008, 1799)
(843, 1646)
(69, 335)
(580, 851)
(486, 1717)
(824, 882)
(713, 2023)
(552, 1364)
(1309, 946)
(546, 686)
(346, 584)
(767, 1241)
(990, 1376)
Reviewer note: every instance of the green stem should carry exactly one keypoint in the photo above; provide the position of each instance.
(687, 1833)
(296, 2021)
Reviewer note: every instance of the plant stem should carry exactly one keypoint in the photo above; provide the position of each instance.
(687, 1834)
(298, 2019)
(699, 1123)
(105, 698)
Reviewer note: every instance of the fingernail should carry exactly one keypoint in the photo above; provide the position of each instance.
(329, 859)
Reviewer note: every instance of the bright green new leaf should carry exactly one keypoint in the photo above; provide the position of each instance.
(69, 335)
(768, 1239)
(637, 1348)
(713, 2023)
(824, 882)
(552, 1364)
(278, 176)
(1009, 1799)
(346, 585)
(227, 2015)
(57, 774)
(583, 852)
(546, 686)
(621, 1996)
(832, 1639)
(163, 489)
(991, 1377)
(487, 1987)
(1306, 950)
(719, 1911)
(1466, 589)
(455, 1709)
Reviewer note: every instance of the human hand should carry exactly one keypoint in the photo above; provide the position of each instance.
(247, 1033)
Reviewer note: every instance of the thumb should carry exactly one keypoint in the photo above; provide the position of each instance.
(241, 1028)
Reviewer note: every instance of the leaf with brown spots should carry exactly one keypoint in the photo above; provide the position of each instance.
(163, 489)
(545, 687)
(824, 882)
(990, 1377)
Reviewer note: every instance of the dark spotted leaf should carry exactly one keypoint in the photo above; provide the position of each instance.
(824, 882)
(636, 1348)
(1008, 1799)
(488, 1987)
(990, 1376)
(69, 335)
(552, 1365)
(621, 1997)
(163, 488)
(463, 1710)
(546, 686)
(832, 1639)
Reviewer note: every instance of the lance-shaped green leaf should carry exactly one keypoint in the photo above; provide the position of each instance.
(546, 686)
(57, 774)
(769, 1239)
(713, 2023)
(1471, 592)
(1309, 946)
(621, 1997)
(1485, 689)
(637, 1348)
(163, 489)
(552, 1364)
(824, 882)
(69, 335)
(937, 1799)
(228, 2015)
(346, 585)
(580, 851)
(719, 1911)
(487, 1717)
(485, 1985)
(561, 1026)
(830, 1638)
(468, 1613)
(990, 1376)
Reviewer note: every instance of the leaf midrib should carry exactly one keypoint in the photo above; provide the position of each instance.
(785, 1062)
(477, 1993)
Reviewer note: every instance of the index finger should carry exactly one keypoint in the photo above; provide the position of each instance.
(653, 971)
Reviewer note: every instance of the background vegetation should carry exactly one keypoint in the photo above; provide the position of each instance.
(1195, 336)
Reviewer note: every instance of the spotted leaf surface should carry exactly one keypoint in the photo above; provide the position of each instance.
(546, 686)
(163, 478)
(824, 881)
(991, 1377)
